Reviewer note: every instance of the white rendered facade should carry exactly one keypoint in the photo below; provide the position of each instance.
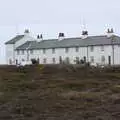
(97, 55)
(10, 49)
(49, 55)
(100, 54)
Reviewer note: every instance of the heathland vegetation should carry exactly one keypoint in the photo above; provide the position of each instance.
(59, 92)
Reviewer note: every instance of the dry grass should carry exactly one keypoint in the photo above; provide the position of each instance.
(59, 92)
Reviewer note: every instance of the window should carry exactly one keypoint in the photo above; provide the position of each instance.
(67, 60)
(54, 61)
(77, 60)
(77, 49)
(66, 50)
(16, 61)
(102, 48)
(23, 52)
(18, 52)
(44, 51)
(31, 51)
(103, 59)
(53, 50)
(91, 48)
(10, 61)
(92, 59)
(23, 59)
(44, 60)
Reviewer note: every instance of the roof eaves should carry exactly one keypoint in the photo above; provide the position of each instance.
(15, 39)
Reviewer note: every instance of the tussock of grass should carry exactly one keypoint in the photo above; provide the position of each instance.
(115, 89)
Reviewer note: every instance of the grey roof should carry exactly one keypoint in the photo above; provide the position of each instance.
(15, 39)
(90, 40)
(27, 45)
(71, 42)
(45, 44)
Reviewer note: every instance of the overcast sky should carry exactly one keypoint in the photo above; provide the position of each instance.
(50, 17)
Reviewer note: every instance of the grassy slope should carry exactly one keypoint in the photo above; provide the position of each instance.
(59, 93)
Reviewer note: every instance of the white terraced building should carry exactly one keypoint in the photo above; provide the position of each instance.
(103, 49)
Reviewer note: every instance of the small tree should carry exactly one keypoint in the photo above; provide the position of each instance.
(82, 61)
(34, 61)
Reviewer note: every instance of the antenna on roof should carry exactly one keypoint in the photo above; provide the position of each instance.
(17, 29)
(84, 27)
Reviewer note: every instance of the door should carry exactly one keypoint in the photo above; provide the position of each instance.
(16, 61)
(84, 59)
(60, 59)
(109, 60)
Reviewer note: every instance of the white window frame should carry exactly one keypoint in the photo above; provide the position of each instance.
(66, 50)
(31, 51)
(67, 60)
(102, 59)
(44, 51)
(92, 60)
(91, 48)
(18, 52)
(44, 61)
(23, 52)
(102, 48)
(77, 49)
(53, 50)
(54, 60)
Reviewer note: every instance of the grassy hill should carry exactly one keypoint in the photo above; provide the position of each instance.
(55, 92)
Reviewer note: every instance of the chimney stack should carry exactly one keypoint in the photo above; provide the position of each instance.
(26, 33)
(110, 32)
(84, 34)
(61, 36)
(39, 38)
